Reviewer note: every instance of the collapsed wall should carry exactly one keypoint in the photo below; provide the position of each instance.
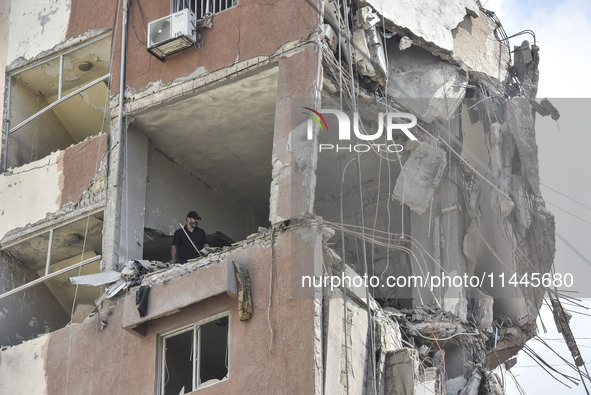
(462, 201)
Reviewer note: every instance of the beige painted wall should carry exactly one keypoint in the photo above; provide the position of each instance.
(36, 26)
(29, 193)
(25, 367)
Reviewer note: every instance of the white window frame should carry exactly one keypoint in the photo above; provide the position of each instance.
(195, 327)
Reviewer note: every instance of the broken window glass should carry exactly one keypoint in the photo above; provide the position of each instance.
(57, 101)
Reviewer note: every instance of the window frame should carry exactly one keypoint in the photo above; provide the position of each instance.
(194, 327)
(178, 5)
(8, 128)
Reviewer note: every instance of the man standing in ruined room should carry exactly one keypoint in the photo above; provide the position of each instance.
(188, 240)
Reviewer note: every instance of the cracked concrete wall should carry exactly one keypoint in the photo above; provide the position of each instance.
(476, 47)
(35, 26)
(418, 17)
(457, 31)
(28, 193)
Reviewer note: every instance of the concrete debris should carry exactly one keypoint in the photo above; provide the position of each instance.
(429, 87)
(135, 269)
(430, 21)
(405, 43)
(470, 246)
(477, 49)
(524, 213)
(366, 18)
(481, 307)
(330, 37)
(509, 340)
(496, 159)
(501, 163)
(369, 55)
(510, 363)
(115, 288)
(525, 68)
(500, 204)
(545, 108)
(96, 279)
(430, 381)
(493, 387)
(420, 177)
(520, 124)
(473, 384)
(402, 372)
(333, 16)
(455, 385)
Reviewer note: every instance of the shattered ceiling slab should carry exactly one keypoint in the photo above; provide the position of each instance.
(432, 21)
(431, 88)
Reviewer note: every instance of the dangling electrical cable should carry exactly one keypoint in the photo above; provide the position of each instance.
(341, 213)
(353, 100)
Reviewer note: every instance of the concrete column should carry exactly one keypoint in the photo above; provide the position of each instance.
(294, 157)
(111, 226)
(133, 201)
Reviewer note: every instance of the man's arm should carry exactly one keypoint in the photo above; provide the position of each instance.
(173, 252)
(205, 243)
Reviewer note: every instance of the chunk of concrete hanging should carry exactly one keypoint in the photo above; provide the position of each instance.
(405, 43)
(525, 67)
(520, 123)
(96, 279)
(470, 246)
(420, 176)
(432, 21)
(369, 55)
(481, 308)
(545, 108)
(424, 84)
(244, 296)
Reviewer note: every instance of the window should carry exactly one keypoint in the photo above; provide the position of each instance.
(194, 356)
(57, 101)
(203, 7)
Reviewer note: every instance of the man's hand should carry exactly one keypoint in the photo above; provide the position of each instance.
(173, 251)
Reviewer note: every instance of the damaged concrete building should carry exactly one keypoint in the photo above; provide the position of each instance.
(337, 264)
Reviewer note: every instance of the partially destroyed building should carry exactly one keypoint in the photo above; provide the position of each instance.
(366, 171)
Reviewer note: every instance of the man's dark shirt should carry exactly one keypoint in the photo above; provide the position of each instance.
(185, 249)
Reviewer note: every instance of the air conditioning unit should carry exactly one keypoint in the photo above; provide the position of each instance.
(171, 34)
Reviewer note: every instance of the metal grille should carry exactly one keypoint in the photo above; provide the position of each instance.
(202, 8)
